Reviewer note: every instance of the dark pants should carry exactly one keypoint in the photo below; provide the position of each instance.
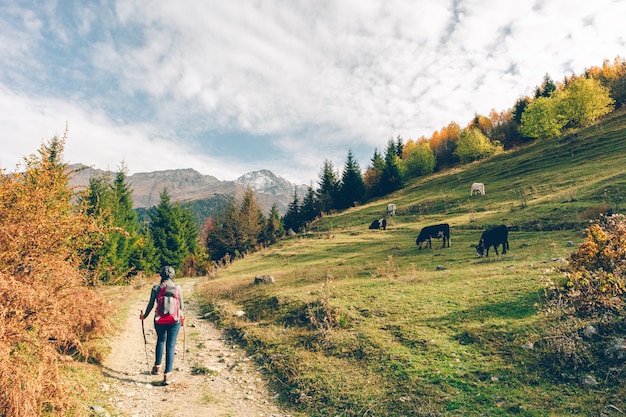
(166, 340)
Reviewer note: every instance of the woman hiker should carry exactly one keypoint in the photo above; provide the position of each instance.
(168, 317)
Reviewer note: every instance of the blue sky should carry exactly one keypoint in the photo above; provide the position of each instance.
(227, 87)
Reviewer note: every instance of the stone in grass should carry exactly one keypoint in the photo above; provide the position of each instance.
(263, 279)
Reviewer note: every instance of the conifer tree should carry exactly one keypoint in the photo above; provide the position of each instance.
(168, 230)
(373, 175)
(352, 184)
(250, 222)
(391, 178)
(111, 262)
(547, 87)
(328, 190)
(223, 237)
(399, 146)
(238, 229)
(292, 220)
(311, 207)
(144, 257)
(273, 228)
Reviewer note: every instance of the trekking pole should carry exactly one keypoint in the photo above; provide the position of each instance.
(145, 342)
(184, 338)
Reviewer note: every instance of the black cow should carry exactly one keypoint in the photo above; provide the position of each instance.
(379, 224)
(493, 237)
(435, 231)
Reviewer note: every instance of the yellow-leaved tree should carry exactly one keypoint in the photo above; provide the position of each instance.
(48, 311)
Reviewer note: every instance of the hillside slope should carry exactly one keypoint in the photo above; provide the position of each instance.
(361, 322)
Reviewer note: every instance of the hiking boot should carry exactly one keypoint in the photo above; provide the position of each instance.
(156, 369)
(168, 378)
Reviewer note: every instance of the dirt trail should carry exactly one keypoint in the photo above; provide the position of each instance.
(215, 378)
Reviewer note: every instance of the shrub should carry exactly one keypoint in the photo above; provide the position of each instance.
(48, 310)
(592, 294)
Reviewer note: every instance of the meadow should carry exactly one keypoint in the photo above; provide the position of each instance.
(361, 323)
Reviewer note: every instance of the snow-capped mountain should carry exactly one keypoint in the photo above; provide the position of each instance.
(187, 185)
(265, 181)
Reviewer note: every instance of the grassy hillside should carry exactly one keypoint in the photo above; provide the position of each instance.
(361, 322)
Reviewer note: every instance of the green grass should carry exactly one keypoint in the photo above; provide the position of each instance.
(361, 322)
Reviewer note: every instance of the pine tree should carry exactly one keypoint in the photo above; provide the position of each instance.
(547, 87)
(352, 189)
(222, 239)
(391, 175)
(328, 190)
(250, 222)
(311, 207)
(373, 175)
(399, 146)
(238, 230)
(167, 227)
(111, 262)
(144, 257)
(273, 228)
(292, 220)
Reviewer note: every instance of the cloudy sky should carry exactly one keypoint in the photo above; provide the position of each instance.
(229, 87)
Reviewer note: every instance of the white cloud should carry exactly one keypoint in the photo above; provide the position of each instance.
(311, 79)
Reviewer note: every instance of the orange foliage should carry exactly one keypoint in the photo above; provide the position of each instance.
(597, 282)
(47, 309)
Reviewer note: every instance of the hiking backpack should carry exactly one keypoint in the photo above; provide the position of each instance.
(168, 304)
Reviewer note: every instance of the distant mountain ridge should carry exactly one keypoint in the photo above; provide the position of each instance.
(187, 185)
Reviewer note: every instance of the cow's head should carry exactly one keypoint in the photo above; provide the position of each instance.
(480, 248)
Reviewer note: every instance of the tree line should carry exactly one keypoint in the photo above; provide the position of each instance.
(554, 108)
(169, 234)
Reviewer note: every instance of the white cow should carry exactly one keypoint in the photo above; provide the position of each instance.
(478, 187)
(391, 209)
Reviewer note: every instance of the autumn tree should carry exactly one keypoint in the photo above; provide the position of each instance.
(443, 143)
(238, 229)
(372, 177)
(542, 119)
(474, 145)
(504, 130)
(583, 101)
(418, 159)
(578, 104)
(612, 75)
(48, 308)
(250, 221)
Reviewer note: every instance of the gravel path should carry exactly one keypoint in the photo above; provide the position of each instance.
(215, 378)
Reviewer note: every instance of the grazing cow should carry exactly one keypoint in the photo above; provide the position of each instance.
(435, 231)
(391, 209)
(379, 224)
(493, 237)
(478, 188)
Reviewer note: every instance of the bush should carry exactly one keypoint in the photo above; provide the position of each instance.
(592, 294)
(47, 310)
